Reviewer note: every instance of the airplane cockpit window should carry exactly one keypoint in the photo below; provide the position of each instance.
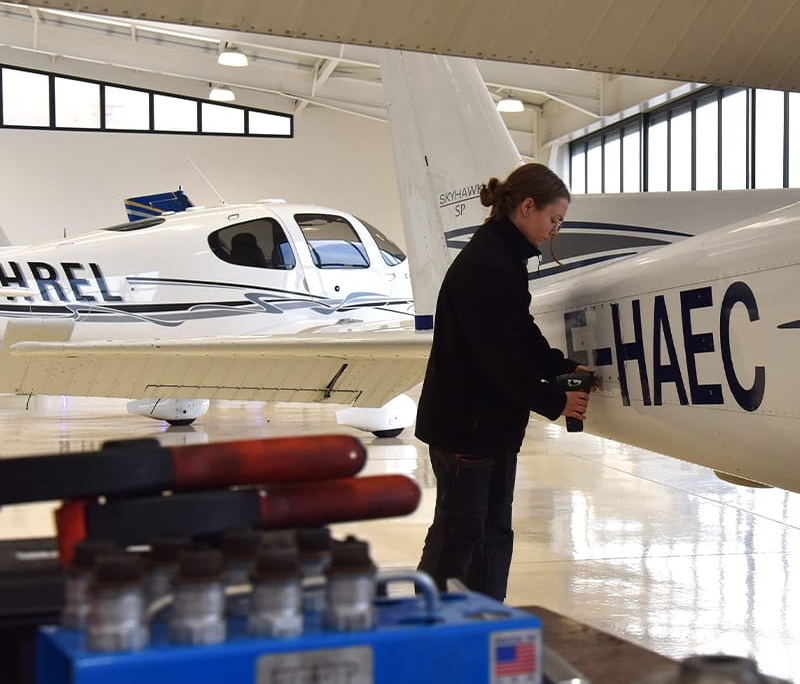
(260, 243)
(333, 242)
(390, 252)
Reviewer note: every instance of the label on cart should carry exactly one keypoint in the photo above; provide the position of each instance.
(351, 665)
(515, 657)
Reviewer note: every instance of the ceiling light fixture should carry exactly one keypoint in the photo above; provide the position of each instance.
(232, 56)
(221, 93)
(510, 104)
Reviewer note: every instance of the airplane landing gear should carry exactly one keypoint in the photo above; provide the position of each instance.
(387, 421)
(173, 411)
(388, 433)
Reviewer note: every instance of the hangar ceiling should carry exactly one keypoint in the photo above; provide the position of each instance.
(731, 42)
(287, 73)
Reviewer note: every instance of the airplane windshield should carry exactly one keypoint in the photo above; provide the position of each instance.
(390, 252)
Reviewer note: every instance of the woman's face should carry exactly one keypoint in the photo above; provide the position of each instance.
(540, 224)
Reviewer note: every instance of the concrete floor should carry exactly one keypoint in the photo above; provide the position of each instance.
(654, 550)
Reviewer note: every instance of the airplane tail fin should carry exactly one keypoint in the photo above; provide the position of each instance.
(448, 139)
(154, 205)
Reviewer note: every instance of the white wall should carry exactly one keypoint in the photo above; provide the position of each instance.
(52, 181)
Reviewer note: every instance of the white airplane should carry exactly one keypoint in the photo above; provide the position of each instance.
(691, 323)
(257, 301)
(688, 323)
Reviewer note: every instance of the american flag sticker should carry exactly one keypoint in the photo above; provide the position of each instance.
(516, 657)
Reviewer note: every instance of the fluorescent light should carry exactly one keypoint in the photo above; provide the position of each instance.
(221, 93)
(232, 56)
(510, 104)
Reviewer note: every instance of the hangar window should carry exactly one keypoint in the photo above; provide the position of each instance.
(262, 123)
(38, 99)
(680, 149)
(631, 159)
(77, 103)
(31, 110)
(793, 124)
(715, 138)
(612, 150)
(768, 129)
(707, 146)
(220, 119)
(733, 137)
(594, 166)
(658, 149)
(126, 109)
(261, 243)
(174, 114)
(578, 170)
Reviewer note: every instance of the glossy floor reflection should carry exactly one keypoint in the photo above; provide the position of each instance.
(651, 549)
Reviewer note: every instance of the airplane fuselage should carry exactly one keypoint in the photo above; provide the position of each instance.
(297, 267)
(695, 346)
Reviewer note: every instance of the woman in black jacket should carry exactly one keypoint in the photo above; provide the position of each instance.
(489, 367)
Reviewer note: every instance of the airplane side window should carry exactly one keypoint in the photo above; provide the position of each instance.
(332, 241)
(245, 250)
(261, 243)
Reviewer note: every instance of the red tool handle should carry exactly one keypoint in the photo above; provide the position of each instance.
(280, 459)
(321, 503)
(70, 520)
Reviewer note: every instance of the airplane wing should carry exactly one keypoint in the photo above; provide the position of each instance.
(360, 369)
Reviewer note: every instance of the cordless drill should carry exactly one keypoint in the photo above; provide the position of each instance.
(579, 381)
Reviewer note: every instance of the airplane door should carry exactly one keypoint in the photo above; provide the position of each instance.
(340, 259)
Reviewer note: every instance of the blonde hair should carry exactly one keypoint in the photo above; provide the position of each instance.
(532, 180)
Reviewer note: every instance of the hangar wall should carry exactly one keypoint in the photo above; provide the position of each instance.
(57, 181)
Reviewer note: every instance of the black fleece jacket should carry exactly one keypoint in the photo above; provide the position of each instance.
(490, 365)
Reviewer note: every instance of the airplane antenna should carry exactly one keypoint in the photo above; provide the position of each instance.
(191, 161)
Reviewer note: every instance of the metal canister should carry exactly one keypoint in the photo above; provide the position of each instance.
(198, 609)
(277, 600)
(713, 669)
(350, 587)
(314, 555)
(240, 549)
(77, 581)
(162, 566)
(117, 615)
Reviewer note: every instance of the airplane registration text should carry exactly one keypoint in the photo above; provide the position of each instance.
(69, 281)
(675, 347)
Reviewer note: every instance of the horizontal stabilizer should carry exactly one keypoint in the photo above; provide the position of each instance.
(155, 205)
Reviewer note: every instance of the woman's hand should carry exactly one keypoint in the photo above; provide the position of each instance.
(577, 403)
(589, 369)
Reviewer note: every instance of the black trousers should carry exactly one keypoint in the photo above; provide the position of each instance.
(471, 538)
